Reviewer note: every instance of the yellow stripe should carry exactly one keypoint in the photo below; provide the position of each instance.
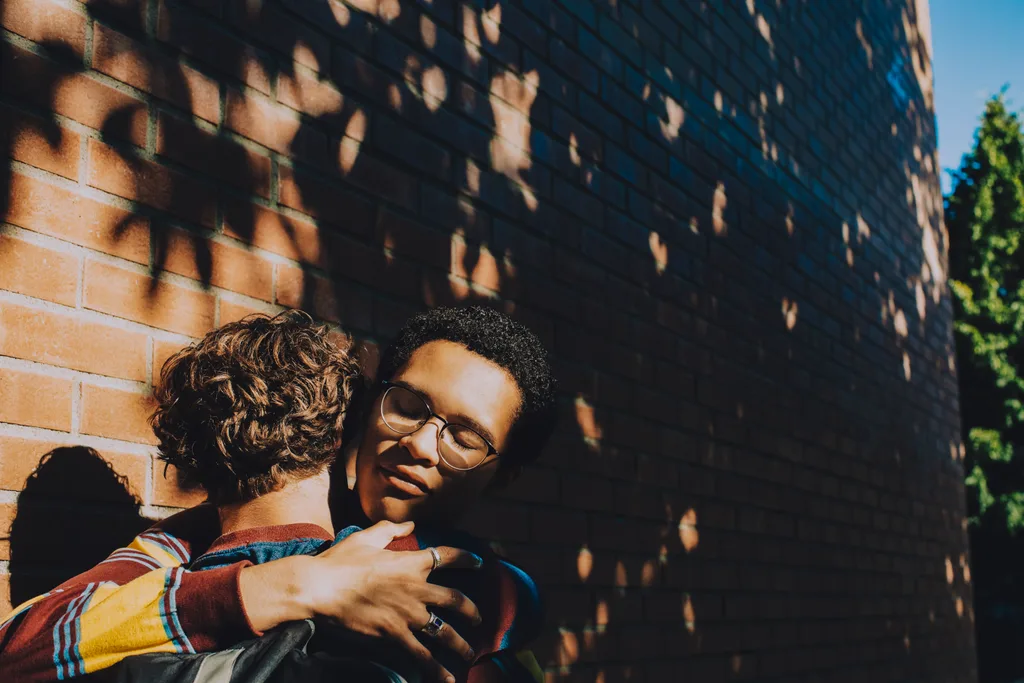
(122, 621)
(24, 606)
(527, 659)
(157, 552)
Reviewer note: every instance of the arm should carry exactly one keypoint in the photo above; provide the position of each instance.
(132, 604)
(137, 600)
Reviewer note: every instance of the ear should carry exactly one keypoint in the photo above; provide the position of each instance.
(504, 476)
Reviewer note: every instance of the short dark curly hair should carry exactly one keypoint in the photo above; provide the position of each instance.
(503, 341)
(254, 404)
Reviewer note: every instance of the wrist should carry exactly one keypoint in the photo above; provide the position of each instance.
(277, 592)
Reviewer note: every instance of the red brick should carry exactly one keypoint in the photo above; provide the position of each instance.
(117, 414)
(33, 270)
(63, 214)
(45, 21)
(162, 351)
(293, 238)
(44, 84)
(66, 341)
(137, 297)
(214, 154)
(150, 183)
(194, 35)
(124, 59)
(19, 458)
(307, 93)
(262, 120)
(291, 286)
(269, 25)
(35, 400)
(34, 142)
(167, 492)
(234, 269)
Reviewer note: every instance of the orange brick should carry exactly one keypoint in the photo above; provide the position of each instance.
(19, 458)
(33, 270)
(117, 414)
(122, 58)
(279, 234)
(151, 184)
(45, 21)
(7, 512)
(136, 297)
(5, 595)
(47, 85)
(234, 269)
(54, 211)
(34, 142)
(291, 284)
(231, 311)
(262, 120)
(63, 340)
(162, 351)
(35, 400)
(167, 492)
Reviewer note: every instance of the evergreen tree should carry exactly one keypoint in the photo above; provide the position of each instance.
(985, 218)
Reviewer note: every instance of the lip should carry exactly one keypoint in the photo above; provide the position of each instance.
(405, 482)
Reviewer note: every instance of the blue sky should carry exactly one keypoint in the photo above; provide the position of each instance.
(978, 47)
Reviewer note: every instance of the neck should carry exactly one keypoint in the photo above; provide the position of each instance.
(302, 501)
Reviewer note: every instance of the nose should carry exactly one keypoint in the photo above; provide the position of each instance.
(422, 444)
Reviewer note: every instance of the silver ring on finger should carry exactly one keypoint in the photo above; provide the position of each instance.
(437, 557)
(434, 625)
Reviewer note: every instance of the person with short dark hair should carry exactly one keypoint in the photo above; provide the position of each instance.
(465, 398)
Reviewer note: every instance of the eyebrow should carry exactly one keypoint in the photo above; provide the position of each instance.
(458, 418)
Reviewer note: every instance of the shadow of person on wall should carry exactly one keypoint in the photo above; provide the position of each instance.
(74, 511)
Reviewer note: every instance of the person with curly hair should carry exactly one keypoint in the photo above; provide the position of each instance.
(254, 414)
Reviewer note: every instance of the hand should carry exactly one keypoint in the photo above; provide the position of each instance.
(374, 591)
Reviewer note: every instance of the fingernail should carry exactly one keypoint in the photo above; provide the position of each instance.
(477, 561)
(470, 654)
(479, 620)
(450, 679)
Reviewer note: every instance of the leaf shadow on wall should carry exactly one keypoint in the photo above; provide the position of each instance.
(73, 512)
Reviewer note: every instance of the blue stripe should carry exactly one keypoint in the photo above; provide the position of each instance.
(77, 665)
(59, 647)
(126, 555)
(175, 622)
(183, 552)
(162, 541)
(163, 604)
(527, 601)
(24, 609)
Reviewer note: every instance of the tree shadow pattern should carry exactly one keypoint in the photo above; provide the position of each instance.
(647, 214)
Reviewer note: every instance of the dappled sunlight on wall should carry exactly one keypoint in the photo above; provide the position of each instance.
(641, 183)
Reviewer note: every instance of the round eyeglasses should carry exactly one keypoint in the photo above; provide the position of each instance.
(405, 412)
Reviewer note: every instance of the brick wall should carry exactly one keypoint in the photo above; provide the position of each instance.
(723, 216)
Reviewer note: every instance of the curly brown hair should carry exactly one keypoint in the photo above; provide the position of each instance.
(254, 404)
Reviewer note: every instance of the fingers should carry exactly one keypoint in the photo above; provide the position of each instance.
(452, 600)
(447, 636)
(382, 533)
(451, 558)
(423, 656)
